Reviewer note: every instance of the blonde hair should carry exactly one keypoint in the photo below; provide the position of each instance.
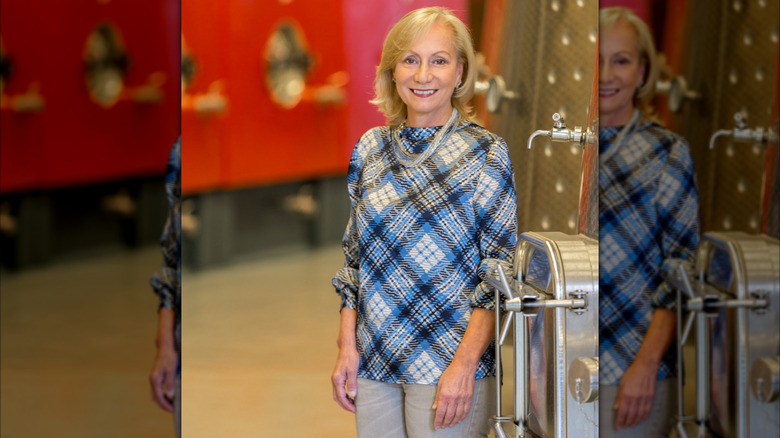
(398, 41)
(647, 53)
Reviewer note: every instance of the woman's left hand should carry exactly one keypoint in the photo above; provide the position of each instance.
(454, 395)
(636, 393)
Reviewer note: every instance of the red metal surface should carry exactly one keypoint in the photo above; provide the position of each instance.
(772, 156)
(266, 142)
(675, 26)
(590, 160)
(492, 32)
(205, 26)
(255, 141)
(73, 140)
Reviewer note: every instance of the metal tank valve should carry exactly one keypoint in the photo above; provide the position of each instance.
(495, 92)
(677, 92)
(560, 133)
(742, 134)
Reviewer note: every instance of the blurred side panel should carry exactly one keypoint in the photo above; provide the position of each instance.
(72, 139)
(89, 110)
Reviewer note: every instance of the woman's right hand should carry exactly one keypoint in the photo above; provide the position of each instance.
(345, 378)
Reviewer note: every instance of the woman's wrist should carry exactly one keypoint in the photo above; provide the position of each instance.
(347, 330)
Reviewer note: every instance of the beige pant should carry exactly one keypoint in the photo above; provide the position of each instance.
(177, 408)
(658, 424)
(388, 410)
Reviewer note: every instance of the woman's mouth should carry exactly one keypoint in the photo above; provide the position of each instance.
(607, 92)
(423, 93)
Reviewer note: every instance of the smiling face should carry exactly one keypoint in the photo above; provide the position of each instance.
(621, 72)
(426, 77)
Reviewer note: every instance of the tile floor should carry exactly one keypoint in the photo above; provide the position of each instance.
(76, 347)
(259, 346)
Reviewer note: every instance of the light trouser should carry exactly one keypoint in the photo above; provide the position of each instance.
(658, 424)
(389, 410)
(177, 407)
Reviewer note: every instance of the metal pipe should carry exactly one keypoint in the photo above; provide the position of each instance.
(504, 282)
(702, 369)
(688, 325)
(756, 303)
(576, 303)
(498, 353)
(505, 329)
(536, 134)
(680, 373)
(717, 134)
(498, 429)
(522, 374)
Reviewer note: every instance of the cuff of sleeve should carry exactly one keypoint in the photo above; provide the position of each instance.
(348, 300)
(345, 282)
(166, 304)
(665, 297)
(484, 296)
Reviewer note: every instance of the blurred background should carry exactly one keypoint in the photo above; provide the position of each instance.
(270, 98)
(719, 89)
(89, 109)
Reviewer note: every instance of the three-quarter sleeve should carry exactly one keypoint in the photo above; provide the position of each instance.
(166, 281)
(347, 279)
(495, 204)
(678, 214)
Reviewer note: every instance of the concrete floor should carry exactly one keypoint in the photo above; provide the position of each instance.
(259, 347)
(77, 344)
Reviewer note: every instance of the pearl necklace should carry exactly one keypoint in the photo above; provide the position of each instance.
(411, 160)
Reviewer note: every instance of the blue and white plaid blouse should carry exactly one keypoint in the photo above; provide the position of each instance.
(166, 282)
(418, 244)
(648, 225)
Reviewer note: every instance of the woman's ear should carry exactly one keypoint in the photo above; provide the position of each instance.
(642, 70)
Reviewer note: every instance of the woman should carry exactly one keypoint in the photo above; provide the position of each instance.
(433, 210)
(648, 226)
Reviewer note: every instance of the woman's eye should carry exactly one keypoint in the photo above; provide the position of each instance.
(410, 60)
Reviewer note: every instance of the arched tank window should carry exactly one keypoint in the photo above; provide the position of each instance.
(288, 62)
(6, 67)
(106, 64)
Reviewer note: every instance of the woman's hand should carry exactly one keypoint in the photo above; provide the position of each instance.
(163, 376)
(454, 395)
(344, 378)
(636, 393)
(456, 385)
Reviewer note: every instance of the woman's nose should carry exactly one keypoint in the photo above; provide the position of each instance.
(423, 74)
(604, 73)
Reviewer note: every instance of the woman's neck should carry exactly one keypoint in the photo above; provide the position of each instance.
(427, 120)
(620, 119)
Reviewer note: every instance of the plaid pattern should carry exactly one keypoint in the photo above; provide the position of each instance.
(166, 282)
(648, 226)
(418, 244)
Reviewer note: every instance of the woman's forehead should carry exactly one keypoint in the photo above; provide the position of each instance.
(621, 36)
(439, 35)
